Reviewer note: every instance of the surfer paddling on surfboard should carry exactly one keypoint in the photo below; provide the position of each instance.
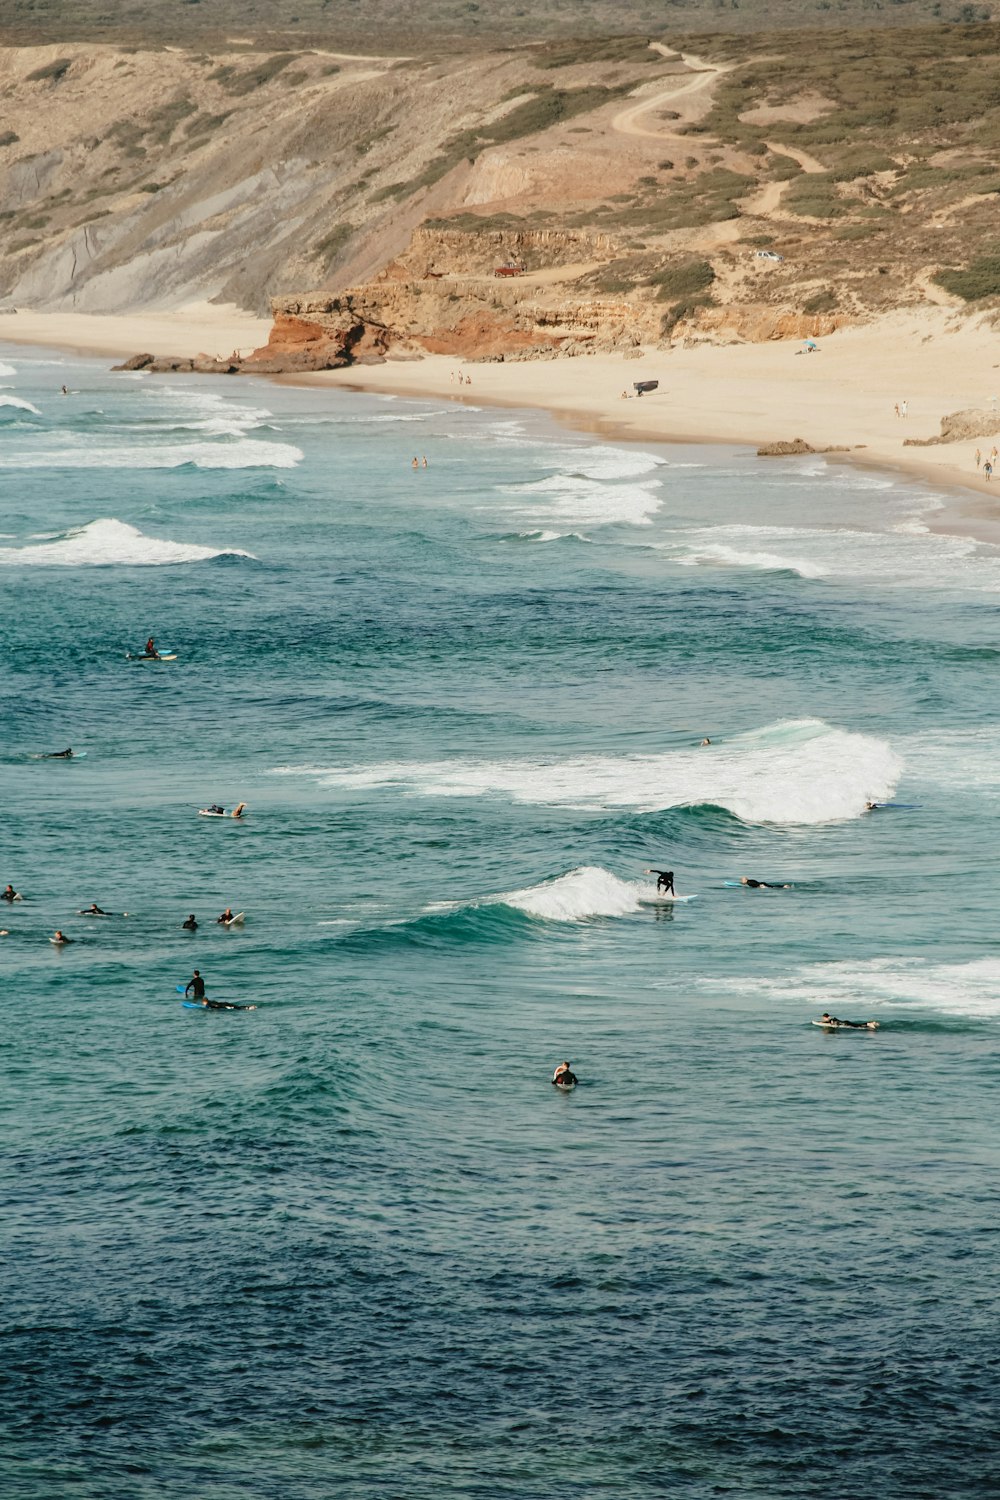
(833, 1023)
(762, 885)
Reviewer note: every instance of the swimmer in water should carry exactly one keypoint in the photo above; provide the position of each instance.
(827, 1020)
(238, 810)
(93, 910)
(10, 894)
(664, 880)
(60, 938)
(191, 924)
(762, 885)
(706, 742)
(564, 1077)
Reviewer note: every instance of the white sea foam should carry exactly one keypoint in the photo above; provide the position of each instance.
(589, 891)
(108, 541)
(963, 759)
(246, 453)
(714, 555)
(18, 404)
(797, 771)
(854, 989)
(547, 536)
(581, 500)
(908, 555)
(6, 369)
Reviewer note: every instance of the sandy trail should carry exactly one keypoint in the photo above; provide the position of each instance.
(806, 162)
(704, 74)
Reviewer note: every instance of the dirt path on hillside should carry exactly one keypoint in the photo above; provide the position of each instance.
(806, 162)
(701, 77)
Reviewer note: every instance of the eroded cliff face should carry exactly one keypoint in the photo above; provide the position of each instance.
(443, 296)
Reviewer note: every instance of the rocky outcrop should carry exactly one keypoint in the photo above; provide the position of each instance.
(960, 426)
(784, 449)
(754, 323)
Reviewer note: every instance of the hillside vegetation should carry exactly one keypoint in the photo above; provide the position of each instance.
(863, 165)
(280, 25)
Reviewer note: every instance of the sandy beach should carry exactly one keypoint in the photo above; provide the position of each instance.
(197, 328)
(842, 396)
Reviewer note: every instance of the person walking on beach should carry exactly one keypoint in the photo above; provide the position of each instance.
(988, 470)
(993, 455)
(896, 408)
(903, 408)
(979, 458)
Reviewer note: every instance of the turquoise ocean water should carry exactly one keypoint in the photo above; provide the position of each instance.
(354, 1242)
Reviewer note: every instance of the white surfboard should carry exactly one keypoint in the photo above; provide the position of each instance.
(236, 921)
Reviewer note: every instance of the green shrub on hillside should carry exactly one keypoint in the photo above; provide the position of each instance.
(814, 194)
(53, 72)
(331, 245)
(236, 82)
(821, 302)
(603, 49)
(981, 278)
(683, 281)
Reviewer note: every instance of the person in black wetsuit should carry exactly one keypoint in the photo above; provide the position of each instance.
(762, 885)
(827, 1020)
(564, 1077)
(664, 881)
(10, 894)
(191, 925)
(225, 1005)
(226, 918)
(59, 755)
(196, 986)
(93, 910)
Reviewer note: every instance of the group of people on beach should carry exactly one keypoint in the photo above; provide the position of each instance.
(990, 463)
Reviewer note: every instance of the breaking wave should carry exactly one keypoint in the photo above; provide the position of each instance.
(853, 988)
(245, 453)
(15, 403)
(108, 541)
(797, 771)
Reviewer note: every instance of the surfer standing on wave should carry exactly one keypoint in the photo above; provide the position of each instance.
(664, 880)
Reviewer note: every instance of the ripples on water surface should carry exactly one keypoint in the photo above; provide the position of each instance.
(354, 1242)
